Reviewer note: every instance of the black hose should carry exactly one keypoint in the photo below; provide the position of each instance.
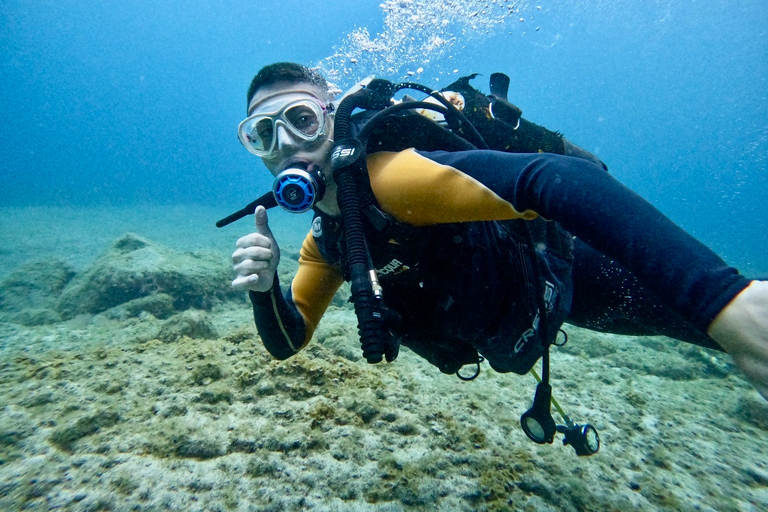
(348, 159)
(342, 116)
(267, 201)
(457, 117)
(408, 105)
(373, 339)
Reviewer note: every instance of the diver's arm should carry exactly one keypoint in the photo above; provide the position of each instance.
(286, 322)
(280, 325)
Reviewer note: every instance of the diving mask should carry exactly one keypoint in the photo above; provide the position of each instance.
(300, 113)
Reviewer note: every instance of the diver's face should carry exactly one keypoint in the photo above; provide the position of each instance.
(290, 136)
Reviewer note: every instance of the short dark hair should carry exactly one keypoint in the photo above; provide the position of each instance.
(289, 72)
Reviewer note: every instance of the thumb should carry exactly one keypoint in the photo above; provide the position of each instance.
(262, 223)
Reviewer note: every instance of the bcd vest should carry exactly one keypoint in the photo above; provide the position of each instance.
(468, 288)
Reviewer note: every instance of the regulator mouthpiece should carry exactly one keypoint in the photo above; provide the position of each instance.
(297, 190)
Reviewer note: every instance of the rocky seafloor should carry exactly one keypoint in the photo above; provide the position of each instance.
(138, 382)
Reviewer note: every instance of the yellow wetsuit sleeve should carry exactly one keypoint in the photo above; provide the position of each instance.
(420, 192)
(314, 285)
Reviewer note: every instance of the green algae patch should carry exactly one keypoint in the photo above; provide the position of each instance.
(197, 448)
(65, 437)
(413, 484)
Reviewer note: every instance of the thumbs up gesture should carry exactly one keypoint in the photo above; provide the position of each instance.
(256, 257)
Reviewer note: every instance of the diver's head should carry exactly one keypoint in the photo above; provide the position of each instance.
(288, 72)
(290, 122)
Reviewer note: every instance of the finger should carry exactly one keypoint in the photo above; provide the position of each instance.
(244, 282)
(252, 253)
(251, 267)
(253, 240)
(262, 222)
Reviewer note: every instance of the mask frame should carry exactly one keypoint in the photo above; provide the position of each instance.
(283, 111)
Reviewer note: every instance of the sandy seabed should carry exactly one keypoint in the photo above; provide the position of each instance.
(130, 409)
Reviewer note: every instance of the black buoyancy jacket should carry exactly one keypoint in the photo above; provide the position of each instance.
(460, 289)
(465, 288)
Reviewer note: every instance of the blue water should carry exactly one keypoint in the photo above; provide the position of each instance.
(123, 103)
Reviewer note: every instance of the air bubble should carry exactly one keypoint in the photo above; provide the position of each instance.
(415, 32)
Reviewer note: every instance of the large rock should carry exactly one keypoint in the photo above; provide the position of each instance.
(134, 267)
(29, 295)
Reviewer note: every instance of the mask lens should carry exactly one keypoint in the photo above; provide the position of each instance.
(256, 134)
(303, 118)
(261, 134)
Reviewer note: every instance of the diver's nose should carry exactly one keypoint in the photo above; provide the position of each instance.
(283, 138)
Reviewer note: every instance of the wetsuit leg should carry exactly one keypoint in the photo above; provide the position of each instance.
(609, 298)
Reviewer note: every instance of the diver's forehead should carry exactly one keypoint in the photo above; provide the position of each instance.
(276, 94)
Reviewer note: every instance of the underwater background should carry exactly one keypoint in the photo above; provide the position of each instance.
(118, 153)
(130, 103)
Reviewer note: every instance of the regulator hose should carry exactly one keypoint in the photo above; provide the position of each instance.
(348, 161)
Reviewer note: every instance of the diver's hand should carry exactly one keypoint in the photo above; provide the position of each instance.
(741, 328)
(256, 257)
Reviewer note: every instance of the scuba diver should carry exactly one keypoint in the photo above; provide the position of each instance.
(470, 234)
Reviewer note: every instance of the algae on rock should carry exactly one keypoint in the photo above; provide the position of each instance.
(134, 267)
(29, 295)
